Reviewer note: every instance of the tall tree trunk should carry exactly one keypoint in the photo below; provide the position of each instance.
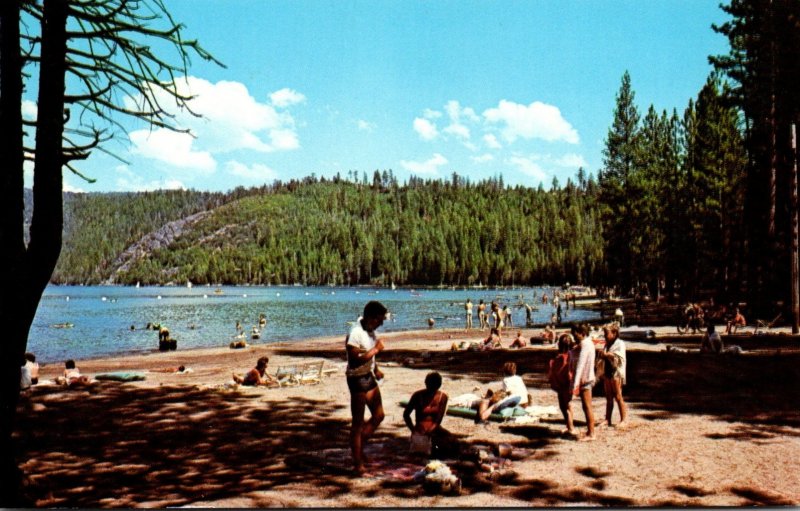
(794, 241)
(12, 244)
(25, 273)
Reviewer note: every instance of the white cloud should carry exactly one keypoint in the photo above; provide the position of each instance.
(572, 160)
(173, 148)
(430, 166)
(491, 141)
(231, 118)
(286, 97)
(537, 120)
(30, 109)
(482, 158)
(527, 166)
(284, 139)
(459, 130)
(69, 188)
(431, 114)
(425, 128)
(365, 125)
(130, 182)
(256, 171)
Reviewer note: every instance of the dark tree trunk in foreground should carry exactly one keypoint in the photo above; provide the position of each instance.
(26, 272)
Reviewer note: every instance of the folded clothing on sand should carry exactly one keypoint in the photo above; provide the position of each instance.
(120, 376)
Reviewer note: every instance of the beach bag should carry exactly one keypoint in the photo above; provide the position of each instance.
(559, 374)
(420, 444)
(599, 367)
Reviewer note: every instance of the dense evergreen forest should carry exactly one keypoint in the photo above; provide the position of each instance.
(343, 232)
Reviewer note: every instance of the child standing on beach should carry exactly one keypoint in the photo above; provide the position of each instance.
(614, 373)
(560, 376)
(584, 375)
(362, 379)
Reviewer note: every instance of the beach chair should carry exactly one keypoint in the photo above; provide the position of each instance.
(309, 373)
(765, 325)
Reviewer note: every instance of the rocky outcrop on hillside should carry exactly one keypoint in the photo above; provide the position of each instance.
(161, 238)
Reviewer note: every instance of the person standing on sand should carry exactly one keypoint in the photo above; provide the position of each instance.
(468, 309)
(362, 379)
(482, 314)
(584, 375)
(560, 377)
(615, 361)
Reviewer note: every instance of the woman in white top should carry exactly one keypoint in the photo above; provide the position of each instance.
(584, 375)
(516, 394)
(614, 373)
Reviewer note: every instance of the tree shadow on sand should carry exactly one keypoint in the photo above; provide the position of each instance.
(119, 445)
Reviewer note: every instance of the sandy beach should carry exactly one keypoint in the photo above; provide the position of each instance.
(704, 430)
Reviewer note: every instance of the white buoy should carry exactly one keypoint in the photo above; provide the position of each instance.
(104, 299)
(244, 295)
(67, 298)
(158, 297)
(277, 294)
(205, 296)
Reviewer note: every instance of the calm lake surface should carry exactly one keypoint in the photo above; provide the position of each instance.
(197, 317)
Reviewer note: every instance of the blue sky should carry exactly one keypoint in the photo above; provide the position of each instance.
(482, 88)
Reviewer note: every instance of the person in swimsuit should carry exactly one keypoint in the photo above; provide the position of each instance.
(257, 375)
(429, 406)
(362, 379)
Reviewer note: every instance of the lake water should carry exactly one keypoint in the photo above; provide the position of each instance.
(206, 316)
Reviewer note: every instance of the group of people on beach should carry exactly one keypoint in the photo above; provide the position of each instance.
(578, 366)
(496, 317)
(573, 372)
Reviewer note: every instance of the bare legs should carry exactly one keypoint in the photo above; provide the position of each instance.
(564, 399)
(613, 391)
(361, 430)
(586, 403)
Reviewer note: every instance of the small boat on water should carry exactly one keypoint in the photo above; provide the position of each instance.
(218, 291)
(63, 325)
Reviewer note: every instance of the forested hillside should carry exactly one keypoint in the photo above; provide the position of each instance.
(99, 226)
(343, 232)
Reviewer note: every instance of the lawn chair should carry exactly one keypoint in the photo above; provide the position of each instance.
(300, 374)
(766, 325)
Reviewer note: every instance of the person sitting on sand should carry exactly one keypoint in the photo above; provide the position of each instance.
(548, 334)
(737, 321)
(429, 406)
(72, 375)
(513, 393)
(712, 341)
(33, 367)
(257, 375)
(493, 341)
(561, 377)
(518, 342)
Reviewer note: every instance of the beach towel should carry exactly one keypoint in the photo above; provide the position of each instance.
(120, 376)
